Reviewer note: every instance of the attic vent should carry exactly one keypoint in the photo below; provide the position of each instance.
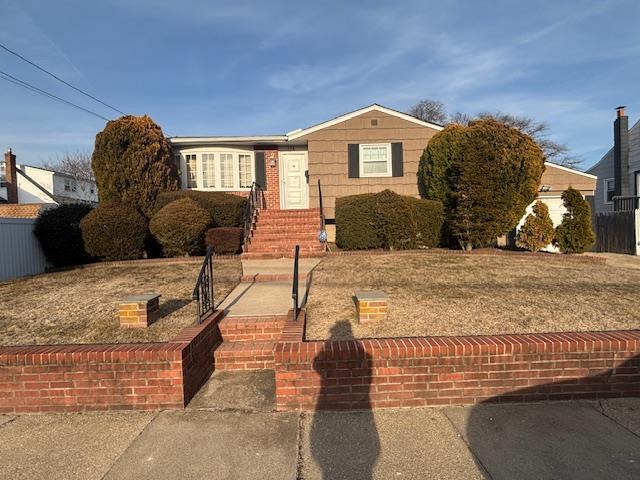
(374, 122)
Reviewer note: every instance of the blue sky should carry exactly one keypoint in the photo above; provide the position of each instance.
(266, 67)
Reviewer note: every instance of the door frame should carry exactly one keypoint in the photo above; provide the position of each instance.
(281, 172)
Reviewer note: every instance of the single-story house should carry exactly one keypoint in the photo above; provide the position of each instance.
(367, 150)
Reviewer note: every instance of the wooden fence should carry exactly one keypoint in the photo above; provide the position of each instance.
(617, 232)
(20, 252)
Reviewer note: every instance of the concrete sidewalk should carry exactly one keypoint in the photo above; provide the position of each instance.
(230, 432)
(266, 298)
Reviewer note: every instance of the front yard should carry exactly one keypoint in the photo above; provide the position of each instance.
(432, 294)
(81, 305)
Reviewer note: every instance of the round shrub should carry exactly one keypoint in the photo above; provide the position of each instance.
(496, 177)
(180, 226)
(226, 210)
(114, 231)
(58, 231)
(225, 240)
(537, 231)
(574, 234)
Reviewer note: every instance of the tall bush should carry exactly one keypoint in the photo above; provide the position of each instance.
(114, 231)
(133, 163)
(396, 225)
(429, 218)
(225, 209)
(537, 231)
(574, 234)
(357, 222)
(58, 232)
(180, 227)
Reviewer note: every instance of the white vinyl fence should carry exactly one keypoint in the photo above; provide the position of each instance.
(20, 253)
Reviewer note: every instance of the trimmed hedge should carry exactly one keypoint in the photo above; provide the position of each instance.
(387, 220)
(58, 231)
(114, 231)
(225, 240)
(180, 226)
(357, 222)
(429, 217)
(226, 210)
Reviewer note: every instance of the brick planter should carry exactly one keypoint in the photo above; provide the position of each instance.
(72, 378)
(406, 372)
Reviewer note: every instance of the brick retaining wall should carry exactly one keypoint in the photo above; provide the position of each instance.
(72, 378)
(404, 372)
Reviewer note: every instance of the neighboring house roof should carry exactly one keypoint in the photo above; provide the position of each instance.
(36, 184)
(22, 210)
(571, 170)
(274, 139)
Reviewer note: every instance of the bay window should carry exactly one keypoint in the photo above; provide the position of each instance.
(225, 170)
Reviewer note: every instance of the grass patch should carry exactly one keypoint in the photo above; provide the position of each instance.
(475, 295)
(81, 305)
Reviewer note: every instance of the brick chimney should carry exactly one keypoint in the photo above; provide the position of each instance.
(11, 177)
(621, 152)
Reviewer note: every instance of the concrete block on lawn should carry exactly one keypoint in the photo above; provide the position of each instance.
(139, 311)
(371, 305)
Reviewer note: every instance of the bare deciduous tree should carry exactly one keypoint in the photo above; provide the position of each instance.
(77, 164)
(554, 151)
(429, 111)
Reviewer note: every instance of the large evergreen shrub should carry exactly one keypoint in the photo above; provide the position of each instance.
(226, 210)
(133, 163)
(58, 232)
(537, 231)
(114, 231)
(180, 227)
(225, 240)
(429, 218)
(396, 225)
(574, 234)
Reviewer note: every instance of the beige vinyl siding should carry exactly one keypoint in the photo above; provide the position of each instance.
(328, 160)
(559, 180)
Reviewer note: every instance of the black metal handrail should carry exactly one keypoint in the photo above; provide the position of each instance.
(322, 236)
(626, 203)
(203, 291)
(254, 201)
(294, 287)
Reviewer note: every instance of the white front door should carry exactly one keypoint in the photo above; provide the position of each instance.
(294, 189)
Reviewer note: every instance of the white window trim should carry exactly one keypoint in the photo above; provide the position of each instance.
(388, 173)
(606, 190)
(216, 165)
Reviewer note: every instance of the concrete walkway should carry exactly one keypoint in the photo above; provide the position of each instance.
(254, 298)
(230, 431)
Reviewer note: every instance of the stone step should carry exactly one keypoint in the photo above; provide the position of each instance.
(249, 355)
(252, 328)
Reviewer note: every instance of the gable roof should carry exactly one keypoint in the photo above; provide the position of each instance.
(347, 116)
(570, 170)
(300, 132)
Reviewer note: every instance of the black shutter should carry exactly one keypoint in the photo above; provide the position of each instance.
(354, 160)
(261, 171)
(397, 167)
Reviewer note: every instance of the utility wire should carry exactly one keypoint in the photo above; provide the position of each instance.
(59, 79)
(10, 78)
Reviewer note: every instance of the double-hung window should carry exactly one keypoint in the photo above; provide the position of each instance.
(191, 163)
(375, 160)
(218, 170)
(609, 190)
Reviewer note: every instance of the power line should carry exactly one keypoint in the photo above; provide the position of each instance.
(10, 78)
(59, 79)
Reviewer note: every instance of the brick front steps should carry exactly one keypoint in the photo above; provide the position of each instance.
(277, 232)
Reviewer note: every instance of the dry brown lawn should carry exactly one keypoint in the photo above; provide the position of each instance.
(432, 294)
(81, 305)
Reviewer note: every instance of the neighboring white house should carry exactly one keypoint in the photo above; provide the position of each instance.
(39, 185)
